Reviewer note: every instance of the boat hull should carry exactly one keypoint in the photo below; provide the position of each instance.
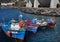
(46, 27)
(33, 29)
(19, 35)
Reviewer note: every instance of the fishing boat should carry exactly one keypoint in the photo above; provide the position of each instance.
(16, 34)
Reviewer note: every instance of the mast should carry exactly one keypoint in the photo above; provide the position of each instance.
(36, 3)
(54, 3)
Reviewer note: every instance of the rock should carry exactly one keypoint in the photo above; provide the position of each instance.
(42, 11)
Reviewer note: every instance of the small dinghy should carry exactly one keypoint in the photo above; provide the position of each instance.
(17, 34)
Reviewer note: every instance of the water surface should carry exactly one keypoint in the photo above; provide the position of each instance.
(50, 35)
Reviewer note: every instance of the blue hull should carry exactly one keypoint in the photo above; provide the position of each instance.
(19, 35)
(34, 30)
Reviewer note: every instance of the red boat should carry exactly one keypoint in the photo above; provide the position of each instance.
(52, 25)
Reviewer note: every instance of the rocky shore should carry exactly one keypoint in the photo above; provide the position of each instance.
(42, 11)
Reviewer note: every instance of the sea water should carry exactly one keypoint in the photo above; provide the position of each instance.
(50, 35)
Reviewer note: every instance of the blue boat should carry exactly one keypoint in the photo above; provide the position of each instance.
(30, 26)
(19, 34)
(33, 29)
